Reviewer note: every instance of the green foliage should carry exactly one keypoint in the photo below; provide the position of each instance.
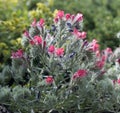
(42, 11)
(4, 94)
(16, 19)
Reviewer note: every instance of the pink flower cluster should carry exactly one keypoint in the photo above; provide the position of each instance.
(17, 54)
(26, 33)
(37, 40)
(102, 58)
(79, 74)
(39, 24)
(93, 46)
(73, 18)
(56, 51)
(79, 35)
(49, 80)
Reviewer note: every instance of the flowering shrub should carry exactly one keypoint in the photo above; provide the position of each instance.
(60, 71)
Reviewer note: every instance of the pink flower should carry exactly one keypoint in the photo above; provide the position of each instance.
(32, 42)
(67, 16)
(18, 54)
(106, 53)
(51, 49)
(56, 20)
(37, 40)
(108, 50)
(33, 23)
(118, 81)
(97, 53)
(79, 35)
(78, 18)
(41, 22)
(100, 64)
(83, 35)
(60, 14)
(93, 46)
(76, 32)
(26, 33)
(80, 74)
(72, 17)
(49, 80)
(118, 60)
(59, 51)
(103, 58)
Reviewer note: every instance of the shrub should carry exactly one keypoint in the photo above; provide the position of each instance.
(59, 70)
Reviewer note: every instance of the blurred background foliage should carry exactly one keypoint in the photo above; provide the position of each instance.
(101, 20)
(15, 18)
